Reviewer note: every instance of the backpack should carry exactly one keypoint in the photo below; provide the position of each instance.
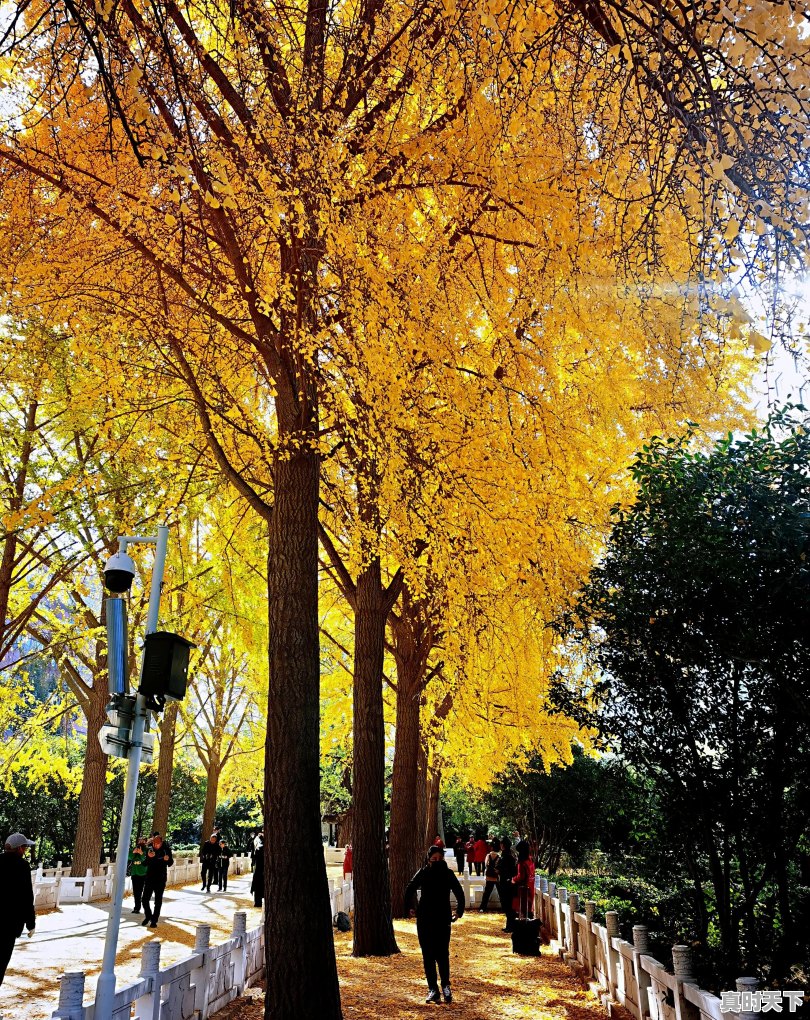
(342, 922)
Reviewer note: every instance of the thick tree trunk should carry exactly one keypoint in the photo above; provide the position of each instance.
(405, 852)
(163, 791)
(211, 790)
(373, 930)
(87, 852)
(432, 805)
(298, 929)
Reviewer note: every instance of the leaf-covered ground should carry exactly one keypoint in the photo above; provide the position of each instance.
(489, 982)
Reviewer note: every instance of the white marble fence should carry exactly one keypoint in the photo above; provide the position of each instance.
(54, 886)
(193, 988)
(624, 972)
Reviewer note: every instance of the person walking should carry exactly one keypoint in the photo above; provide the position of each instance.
(257, 882)
(490, 874)
(158, 861)
(18, 895)
(434, 918)
(137, 871)
(209, 861)
(459, 851)
(480, 850)
(507, 869)
(225, 854)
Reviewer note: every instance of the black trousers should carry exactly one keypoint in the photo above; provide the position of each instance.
(209, 873)
(222, 878)
(434, 941)
(7, 940)
(460, 864)
(149, 888)
(137, 889)
(506, 891)
(488, 887)
(479, 867)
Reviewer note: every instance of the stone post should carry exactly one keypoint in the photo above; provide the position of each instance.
(682, 969)
(612, 927)
(71, 997)
(573, 908)
(199, 976)
(554, 910)
(148, 1005)
(747, 986)
(641, 947)
(240, 951)
(543, 902)
(590, 938)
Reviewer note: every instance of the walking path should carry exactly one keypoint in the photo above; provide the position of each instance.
(489, 982)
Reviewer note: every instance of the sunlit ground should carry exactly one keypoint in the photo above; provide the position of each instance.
(489, 982)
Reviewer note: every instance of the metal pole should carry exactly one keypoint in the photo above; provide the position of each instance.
(105, 989)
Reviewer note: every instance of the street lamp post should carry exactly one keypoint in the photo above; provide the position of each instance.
(105, 989)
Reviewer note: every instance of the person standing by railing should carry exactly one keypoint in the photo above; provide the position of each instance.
(137, 871)
(18, 889)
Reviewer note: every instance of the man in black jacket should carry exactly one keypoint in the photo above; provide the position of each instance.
(158, 861)
(434, 918)
(18, 895)
(209, 859)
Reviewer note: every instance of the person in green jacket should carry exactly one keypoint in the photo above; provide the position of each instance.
(137, 870)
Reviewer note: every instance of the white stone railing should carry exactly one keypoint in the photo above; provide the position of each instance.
(196, 987)
(624, 972)
(53, 887)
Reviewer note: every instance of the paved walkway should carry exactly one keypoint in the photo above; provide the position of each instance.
(489, 982)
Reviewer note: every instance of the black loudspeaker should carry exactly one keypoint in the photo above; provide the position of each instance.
(165, 666)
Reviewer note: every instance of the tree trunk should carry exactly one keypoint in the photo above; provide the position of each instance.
(163, 790)
(345, 829)
(87, 852)
(211, 790)
(298, 929)
(373, 930)
(434, 778)
(404, 852)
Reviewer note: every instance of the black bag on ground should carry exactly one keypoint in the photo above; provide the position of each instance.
(526, 937)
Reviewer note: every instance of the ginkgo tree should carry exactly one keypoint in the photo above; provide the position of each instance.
(245, 185)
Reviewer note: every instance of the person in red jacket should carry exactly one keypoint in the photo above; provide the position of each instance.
(523, 882)
(480, 850)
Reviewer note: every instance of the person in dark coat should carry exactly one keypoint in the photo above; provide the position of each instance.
(18, 896)
(434, 918)
(225, 854)
(209, 861)
(460, 852)
(158, 861)
(507, 869)
(257, 882)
